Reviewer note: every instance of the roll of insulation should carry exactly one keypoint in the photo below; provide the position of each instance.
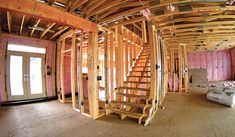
(223, 97)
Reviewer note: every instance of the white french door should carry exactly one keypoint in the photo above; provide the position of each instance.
(25, 75)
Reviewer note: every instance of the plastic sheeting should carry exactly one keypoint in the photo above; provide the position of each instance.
(226, 97)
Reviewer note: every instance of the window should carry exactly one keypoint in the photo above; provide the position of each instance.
(22, 48)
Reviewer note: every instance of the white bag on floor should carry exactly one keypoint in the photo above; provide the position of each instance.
(223, 97)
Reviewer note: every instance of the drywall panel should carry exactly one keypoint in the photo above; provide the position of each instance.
(217, 63)
(50, 56)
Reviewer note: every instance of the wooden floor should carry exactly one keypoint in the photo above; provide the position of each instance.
(189, 115)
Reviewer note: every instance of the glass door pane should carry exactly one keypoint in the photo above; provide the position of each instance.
(16, 75)
(35, 74)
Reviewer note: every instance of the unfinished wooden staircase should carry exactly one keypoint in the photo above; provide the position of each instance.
(132, 98)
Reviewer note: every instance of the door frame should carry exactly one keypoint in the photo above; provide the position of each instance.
(26, 70)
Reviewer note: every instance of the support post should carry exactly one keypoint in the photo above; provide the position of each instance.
(92, 63)
(62, 71)
(111, 65)
(180, 65)
(186, 80)
(81, 98)
(106, 65)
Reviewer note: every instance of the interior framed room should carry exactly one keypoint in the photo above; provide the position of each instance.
(117, 67)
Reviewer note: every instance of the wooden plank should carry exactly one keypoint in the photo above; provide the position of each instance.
(47, 29)
(92, 7)
(62, 71)
(81, 97)
(49, 13)
(105, 7)
(124, 13)
(22, 24)
(34, 26)
(131, 50)
(9, 22)
(58, 32)
(126, 58)
(92, 63)
(77, 4)
(129, 22)
(117, 58)
(74, 70)
(144, 32)
(152, 60)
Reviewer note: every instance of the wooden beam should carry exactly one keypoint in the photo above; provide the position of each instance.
(9, 22)
(49, 13)
(92, 7)
(22, 24)
(50, 2)
(34, 26)
(130, 21)
(124, 13)
(59, 32)
(105, 7)
(144, 31)
(46, 30)
(74, 70)
(77, 4)
(105, 14)
(92, 58)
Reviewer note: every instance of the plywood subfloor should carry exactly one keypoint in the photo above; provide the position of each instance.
(189, 115)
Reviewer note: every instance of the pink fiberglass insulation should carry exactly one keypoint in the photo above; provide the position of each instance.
(233, 63)
(217, 63)
(170, 82)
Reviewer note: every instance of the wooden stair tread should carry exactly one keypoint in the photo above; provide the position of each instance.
(128, 113)
(133, 88)
(139, 82)
(140, 71)
(140, 66)
(132, 95)
(131, 104)
(140, 76)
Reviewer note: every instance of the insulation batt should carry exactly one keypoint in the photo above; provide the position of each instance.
(226, 97)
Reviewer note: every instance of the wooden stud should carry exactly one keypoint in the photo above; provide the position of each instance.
(62, 71)
(180, 67)
(106, 69)
(74, 70)
(144, 32)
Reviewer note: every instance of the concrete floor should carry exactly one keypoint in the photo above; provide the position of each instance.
(189, 115)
